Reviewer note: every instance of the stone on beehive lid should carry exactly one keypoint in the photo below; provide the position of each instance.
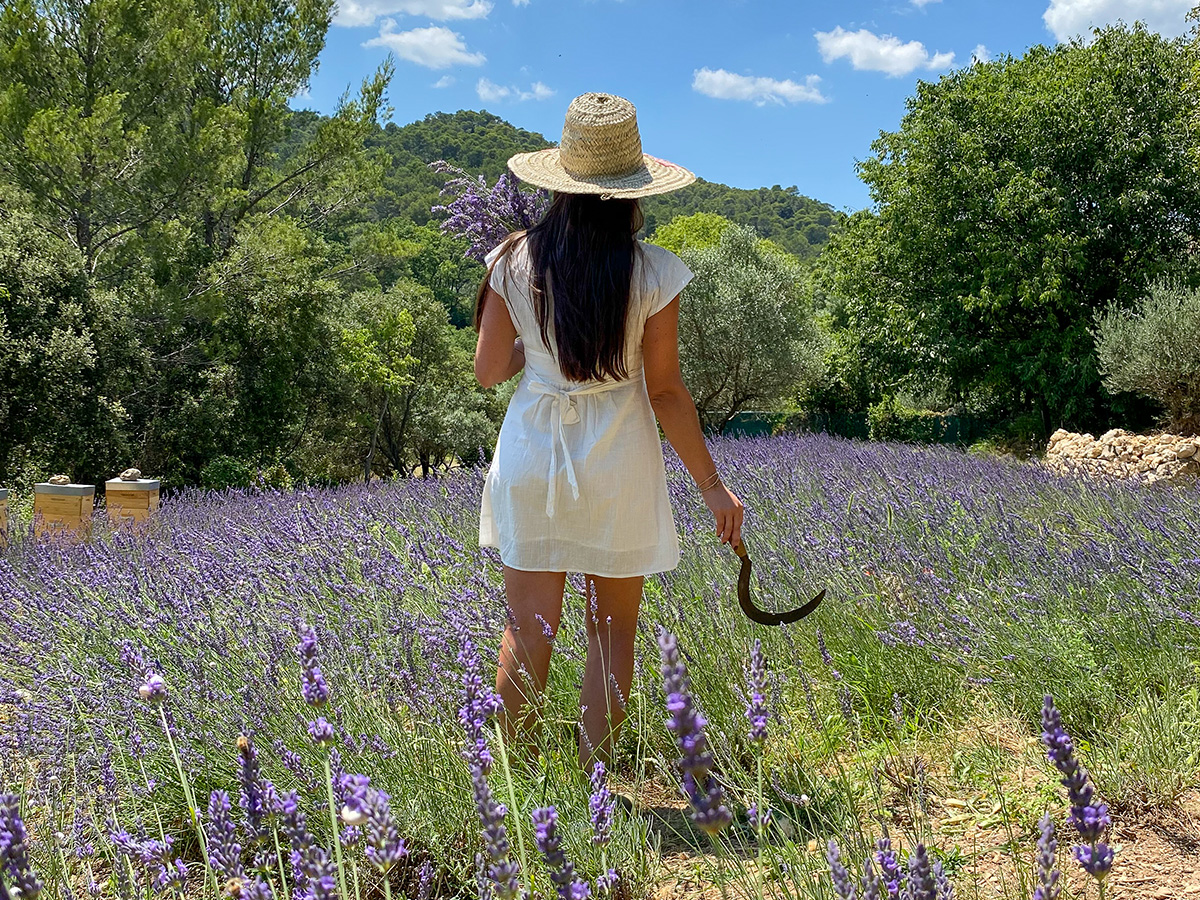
(131, 499)
(3, 518)
(62, 508)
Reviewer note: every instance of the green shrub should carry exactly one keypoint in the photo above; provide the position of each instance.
(1154, 350)
(227, 472)
(891, 420)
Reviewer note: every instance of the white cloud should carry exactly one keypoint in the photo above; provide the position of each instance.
(730, 86)
(520, 2)
(1067, 18)
(490, 92)
(435, 47)
(365, 12)
(444, 82)
(921, 4)
(981, 53)
(869, 51)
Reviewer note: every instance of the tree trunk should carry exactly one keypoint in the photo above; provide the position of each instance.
(374, 440)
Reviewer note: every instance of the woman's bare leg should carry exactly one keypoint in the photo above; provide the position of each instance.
(611, 628)
(534, 610)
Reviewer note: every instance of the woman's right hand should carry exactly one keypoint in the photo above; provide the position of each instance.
(727, 512)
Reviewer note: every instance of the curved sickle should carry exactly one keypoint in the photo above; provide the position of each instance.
(762, 616)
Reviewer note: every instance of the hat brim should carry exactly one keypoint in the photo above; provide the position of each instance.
(544, 168)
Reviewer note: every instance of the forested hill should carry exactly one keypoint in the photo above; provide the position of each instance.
(481, 143)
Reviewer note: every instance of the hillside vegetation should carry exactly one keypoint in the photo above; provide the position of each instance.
(481, 143)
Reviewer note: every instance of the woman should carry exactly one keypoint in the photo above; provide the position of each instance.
(590, 317)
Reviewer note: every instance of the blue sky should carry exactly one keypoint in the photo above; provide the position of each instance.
(744, 92)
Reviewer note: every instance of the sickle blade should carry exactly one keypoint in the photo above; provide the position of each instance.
(762, 616)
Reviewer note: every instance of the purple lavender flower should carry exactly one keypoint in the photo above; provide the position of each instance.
(321, 732)
(753, 817)
(945, 889)
(502, 870)
(254, 799)
(703, 791)
(224, 851)
(479, 704)
(549, 844)
(826, 656)
(843, 884)
(486, 216)
(1048, 874)
(756, 706)
(889, 866)
(601, 803)
(872, 885)
(153, 689)
(385, 847)
(1089, 817)
(921, 883)
(14, 850)
(312, 683)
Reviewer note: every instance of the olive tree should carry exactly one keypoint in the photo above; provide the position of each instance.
(745, 337)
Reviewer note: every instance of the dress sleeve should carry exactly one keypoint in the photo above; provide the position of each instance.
(672, 276)
(501, 279)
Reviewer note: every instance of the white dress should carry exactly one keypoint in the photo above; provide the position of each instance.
(577, 483)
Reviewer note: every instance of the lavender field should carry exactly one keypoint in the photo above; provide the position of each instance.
(193, 710)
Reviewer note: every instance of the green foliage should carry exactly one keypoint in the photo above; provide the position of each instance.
(698, 231)
(745, 338)
(890, 420)
(59, 342)
(1154, 350)
(800, 225)
(1018, 198)
(223, 472)
(429, 412)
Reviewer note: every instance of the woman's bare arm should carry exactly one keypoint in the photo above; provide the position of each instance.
(499, 353)
(680, 424)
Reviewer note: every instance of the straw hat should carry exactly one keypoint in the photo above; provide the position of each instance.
(600, 153)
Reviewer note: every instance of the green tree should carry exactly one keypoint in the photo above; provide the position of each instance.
(698, 231)
(1021, 196)
(745, 336)
(438, 414)
(1154, 350)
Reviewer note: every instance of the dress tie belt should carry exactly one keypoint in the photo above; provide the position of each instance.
(563, 412)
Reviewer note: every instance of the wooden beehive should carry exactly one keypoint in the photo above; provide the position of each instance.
(62, 509)
(3, 518)
(130, 501)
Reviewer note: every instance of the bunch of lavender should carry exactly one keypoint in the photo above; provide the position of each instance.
(1089, 817)
(924, 879)
(686, 722)
(549, 844)
(154, 857)
(15, 868)
(486, 216)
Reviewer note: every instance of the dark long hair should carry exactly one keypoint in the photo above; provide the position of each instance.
(583, 252)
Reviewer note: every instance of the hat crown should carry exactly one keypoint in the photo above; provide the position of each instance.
(600, 137)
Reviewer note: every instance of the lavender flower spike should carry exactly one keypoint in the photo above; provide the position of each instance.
(549, 844)
(703, 791)
(843, 884)
(14, 850)
(601, 803)
(889, 866)
(224, 851)
(503, 869)
(312, 683)
(1048, 874)
(385, 847)
(921, 883)
(1089, 817)
(756, 706)
(872, 884)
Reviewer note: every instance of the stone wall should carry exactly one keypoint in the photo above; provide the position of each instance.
(1121, 454)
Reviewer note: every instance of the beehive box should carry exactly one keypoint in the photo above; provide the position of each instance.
(130, 501)
(62, 509)
(3, 518)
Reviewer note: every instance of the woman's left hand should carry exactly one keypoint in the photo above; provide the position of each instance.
(728, 512)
